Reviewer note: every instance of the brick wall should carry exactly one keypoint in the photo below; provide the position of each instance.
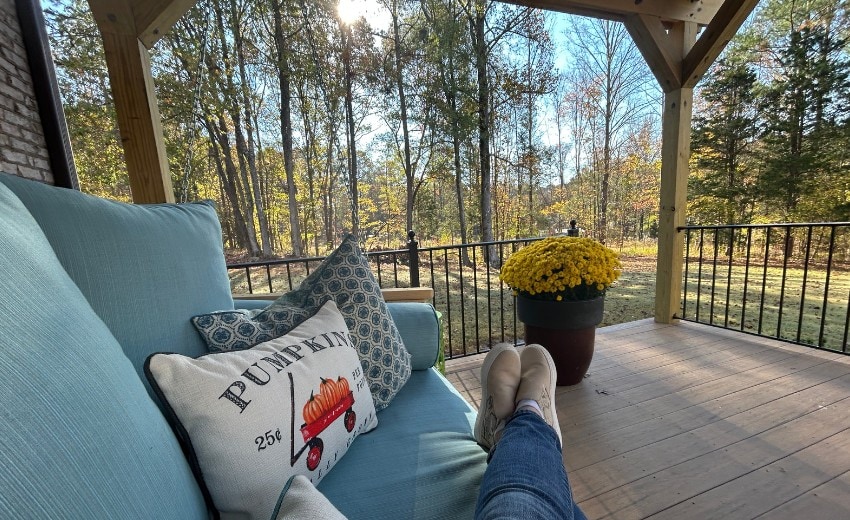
(22, 147)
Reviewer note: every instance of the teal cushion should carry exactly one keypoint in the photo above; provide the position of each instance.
(346, 278)
(420, 330)
(146, 270)
(420, 462)
(79, 436)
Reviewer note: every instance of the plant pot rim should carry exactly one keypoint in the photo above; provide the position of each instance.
(565, 314)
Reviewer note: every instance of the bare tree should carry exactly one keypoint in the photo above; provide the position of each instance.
(617, 79)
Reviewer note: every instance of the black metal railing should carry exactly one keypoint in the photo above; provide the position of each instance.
(785, 281)
(477, 308)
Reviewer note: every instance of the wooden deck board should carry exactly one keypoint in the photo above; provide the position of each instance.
(689, 421)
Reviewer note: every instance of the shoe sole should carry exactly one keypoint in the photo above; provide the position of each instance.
(553, 385)
(485, 369)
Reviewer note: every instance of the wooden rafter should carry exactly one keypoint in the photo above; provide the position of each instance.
(697, 11)
(651, 38)
(714, 38)
(154, 18)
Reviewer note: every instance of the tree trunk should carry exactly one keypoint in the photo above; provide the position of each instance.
(230, 180)
(402, 101)
(231, 102)
(247, 148)
(352, 143)
(479, 43)
(284, 78)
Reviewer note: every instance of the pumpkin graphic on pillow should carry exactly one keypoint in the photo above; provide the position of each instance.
(334, 400)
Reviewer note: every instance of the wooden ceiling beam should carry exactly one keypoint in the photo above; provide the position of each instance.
(714, 38)
(697, 11)
(154, 18)
(653, 42)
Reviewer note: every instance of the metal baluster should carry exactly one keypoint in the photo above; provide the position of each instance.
(448, 299)
(475, 298)
(489, 296)
(502, 294)
(729, 274)
(805, 282)
(269, 277)
(462, 301)
(764, 275)
(699, 270)
(784, 278)
(713, 278)
(687, 266)
(395, 268)
(746, 277)
(826, 286)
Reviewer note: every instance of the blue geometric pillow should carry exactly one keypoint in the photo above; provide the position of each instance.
(242, 329)
(346, 278)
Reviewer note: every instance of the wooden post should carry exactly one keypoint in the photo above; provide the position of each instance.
(135, 102)
(675, 153)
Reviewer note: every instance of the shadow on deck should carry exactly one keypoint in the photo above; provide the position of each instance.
(689, 421)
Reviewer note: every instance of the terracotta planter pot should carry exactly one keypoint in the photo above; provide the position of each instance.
(567, 329)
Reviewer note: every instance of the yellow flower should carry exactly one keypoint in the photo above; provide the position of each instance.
(562, 268)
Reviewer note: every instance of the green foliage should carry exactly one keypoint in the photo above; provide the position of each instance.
(771, 129)
(724, 131)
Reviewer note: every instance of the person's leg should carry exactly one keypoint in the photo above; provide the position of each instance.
(525, 478)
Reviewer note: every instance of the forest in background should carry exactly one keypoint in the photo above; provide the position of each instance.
(465, 120)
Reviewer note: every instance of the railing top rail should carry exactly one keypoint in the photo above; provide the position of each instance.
(780, 225)
(478, 244)
(281, 261)
(276, 261)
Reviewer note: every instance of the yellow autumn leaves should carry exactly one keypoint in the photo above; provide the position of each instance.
(571, 268)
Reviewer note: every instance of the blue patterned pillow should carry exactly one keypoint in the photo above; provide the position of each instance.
(345, 278)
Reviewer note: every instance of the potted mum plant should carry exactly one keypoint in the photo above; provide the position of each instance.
(560, 285)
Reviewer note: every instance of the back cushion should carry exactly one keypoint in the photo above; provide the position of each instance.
(145, 269)
(79, 436)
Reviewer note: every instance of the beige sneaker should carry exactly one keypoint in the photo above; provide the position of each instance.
(538, 383)
(500, 376)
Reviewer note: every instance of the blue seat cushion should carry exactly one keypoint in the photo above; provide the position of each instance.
(145, 269)
(79, 436)
(420, 462)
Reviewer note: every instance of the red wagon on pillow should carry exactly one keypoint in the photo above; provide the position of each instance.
(310, 431)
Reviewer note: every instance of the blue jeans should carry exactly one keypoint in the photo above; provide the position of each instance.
(525, 478)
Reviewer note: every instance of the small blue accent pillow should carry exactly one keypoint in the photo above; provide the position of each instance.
(345, 278)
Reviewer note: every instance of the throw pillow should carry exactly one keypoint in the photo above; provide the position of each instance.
(345, 278)
(300, 500)
(250, 419)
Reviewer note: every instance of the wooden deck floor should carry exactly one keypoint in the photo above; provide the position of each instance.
(692, 422)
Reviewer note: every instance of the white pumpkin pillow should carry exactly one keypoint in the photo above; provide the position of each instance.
(251, 419)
